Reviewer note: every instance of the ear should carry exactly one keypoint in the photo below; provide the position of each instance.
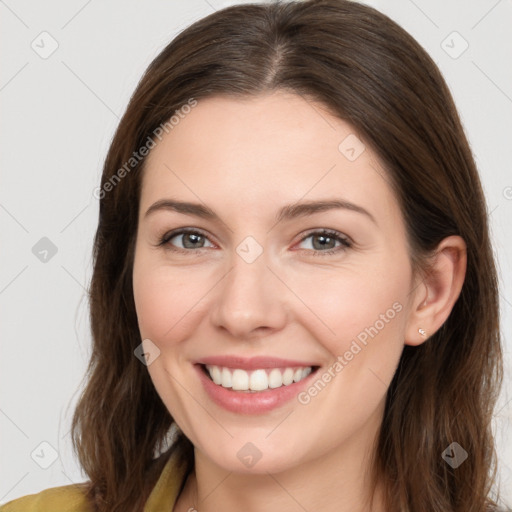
(435, 294)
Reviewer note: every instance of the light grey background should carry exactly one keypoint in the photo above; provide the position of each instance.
(58, 116)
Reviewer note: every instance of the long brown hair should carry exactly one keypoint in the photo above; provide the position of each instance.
(368, 71)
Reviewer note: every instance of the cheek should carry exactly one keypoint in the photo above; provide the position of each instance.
(354, 303)
(361, 327)
(154, 308)
(167, 301)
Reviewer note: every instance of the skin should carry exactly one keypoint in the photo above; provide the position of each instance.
(245, 159)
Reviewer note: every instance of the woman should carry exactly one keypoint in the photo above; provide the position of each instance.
(293, 279)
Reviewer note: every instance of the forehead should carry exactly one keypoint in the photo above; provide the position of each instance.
(278, 147)
(279, 125)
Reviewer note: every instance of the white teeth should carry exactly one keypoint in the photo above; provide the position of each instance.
(216, 375)
(288, 376)
(256, 380)
(275, 379)
(240, 380)
(226, 378)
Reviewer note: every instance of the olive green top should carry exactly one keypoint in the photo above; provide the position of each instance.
(70, 498)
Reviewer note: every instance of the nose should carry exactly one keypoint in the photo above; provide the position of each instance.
(250, 300)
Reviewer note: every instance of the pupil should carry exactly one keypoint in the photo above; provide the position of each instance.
(324, 243)
(194, 237)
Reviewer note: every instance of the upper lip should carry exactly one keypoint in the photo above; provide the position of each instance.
(252, 363)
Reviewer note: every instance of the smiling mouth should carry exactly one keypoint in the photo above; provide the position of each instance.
(254, 381)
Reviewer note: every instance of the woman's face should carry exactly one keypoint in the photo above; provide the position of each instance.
(258, 279)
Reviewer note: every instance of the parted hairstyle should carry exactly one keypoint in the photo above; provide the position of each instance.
(371, 73)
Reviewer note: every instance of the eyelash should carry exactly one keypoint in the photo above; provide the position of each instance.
(337, 236)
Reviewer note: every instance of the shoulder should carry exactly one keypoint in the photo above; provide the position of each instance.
(172, 469)
(68, 498)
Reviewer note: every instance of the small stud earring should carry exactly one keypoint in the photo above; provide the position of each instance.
(422, 331)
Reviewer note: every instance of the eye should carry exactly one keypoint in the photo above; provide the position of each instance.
(190, 239)
(324, 242)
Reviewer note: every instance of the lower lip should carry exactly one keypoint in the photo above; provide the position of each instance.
(251, 403)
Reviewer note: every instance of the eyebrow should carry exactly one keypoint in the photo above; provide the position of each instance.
(288, 212)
